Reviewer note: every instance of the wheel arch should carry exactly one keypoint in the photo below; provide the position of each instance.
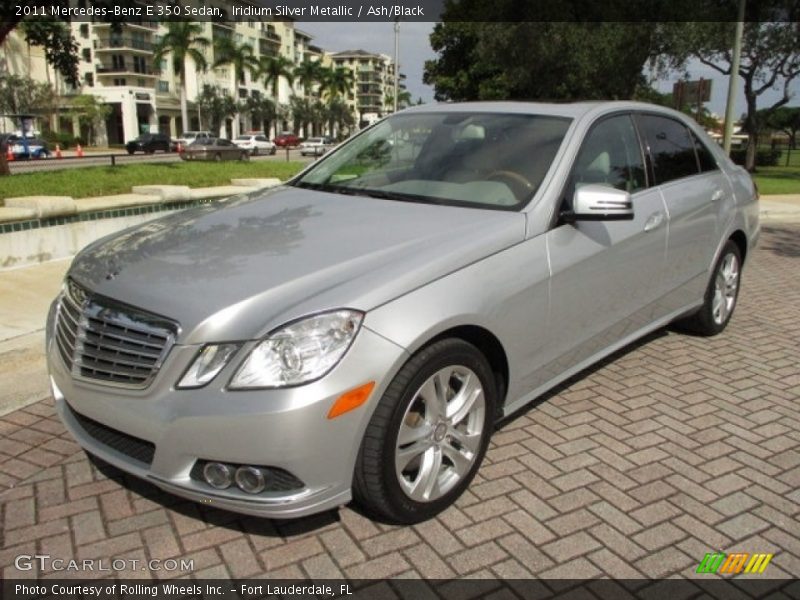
(739, 238)
(488, 344)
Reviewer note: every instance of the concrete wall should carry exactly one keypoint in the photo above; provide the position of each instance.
(24, 248)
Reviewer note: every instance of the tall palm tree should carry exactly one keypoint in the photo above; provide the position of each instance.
(338, 82)
(240, 57)
(183, 40)
(272, 68)
(307, 74)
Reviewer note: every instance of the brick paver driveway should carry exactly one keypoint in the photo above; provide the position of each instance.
(673, 448)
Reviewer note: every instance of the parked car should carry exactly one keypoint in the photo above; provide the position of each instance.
(189, 137)
(316, 146)
(255, 143)
(214, 149)
(357, 332)
(286, 139)
(24, 148)
(149, 143)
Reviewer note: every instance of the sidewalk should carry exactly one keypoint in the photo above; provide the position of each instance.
(26, 293)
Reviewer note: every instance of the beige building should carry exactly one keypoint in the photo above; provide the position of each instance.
(373, 83)
(117, 67)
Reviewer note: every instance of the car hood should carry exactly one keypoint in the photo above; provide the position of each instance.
(238, 268)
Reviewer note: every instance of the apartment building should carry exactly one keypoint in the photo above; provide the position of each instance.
(373, 83)
(117, 66)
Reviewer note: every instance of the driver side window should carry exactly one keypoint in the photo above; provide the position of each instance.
(611, 156)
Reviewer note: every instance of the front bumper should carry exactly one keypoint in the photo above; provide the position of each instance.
(286, 429)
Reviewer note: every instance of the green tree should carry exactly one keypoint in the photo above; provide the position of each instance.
(403, 100)
(272, 69)
(527, 58)
(339, 117)
(90, 113)
(785, 119)
(23, 95)
(239, 56)
(262, 110)
(215, 106)
(308, 74)
(183, 40)
(336, 82)
(770, 58)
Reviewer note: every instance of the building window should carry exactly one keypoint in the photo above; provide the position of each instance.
(119, 82)
(88, 79)
(163, 87)
(85, 31)
(86, 53)
(118, 62)
(141, 83)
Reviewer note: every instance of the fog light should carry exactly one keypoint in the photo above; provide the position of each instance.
(250, 479)
(218, 475)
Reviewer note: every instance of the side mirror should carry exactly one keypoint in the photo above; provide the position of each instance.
(595, 202)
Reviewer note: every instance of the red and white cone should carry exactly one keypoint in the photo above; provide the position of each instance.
(58, 151)
(79, 151)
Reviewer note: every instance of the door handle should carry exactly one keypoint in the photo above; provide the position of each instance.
(654, 221)
(716, 196)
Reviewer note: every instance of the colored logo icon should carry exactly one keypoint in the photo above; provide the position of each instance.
(734, 563)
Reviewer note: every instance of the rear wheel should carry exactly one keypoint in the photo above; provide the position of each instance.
(217, 157)
(721, 294)
(244, 156)
(428, 434)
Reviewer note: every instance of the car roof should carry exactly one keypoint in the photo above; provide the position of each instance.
(572, 110)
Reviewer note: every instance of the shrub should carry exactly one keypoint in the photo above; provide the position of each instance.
(765, 157)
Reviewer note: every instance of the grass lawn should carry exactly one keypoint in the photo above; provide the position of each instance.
(781, 179)
(85, 182)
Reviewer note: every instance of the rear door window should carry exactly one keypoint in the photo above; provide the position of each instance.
(671, 148)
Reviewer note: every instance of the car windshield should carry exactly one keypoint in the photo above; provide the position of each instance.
(244, 137)
(483, 160)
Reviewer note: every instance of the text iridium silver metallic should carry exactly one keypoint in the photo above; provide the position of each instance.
(357, 331)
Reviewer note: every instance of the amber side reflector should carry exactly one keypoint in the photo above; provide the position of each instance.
(351, 400)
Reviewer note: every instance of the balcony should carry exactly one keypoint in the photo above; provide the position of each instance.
(271, 36)
(139, 24)
(103, 71)
(123, 44)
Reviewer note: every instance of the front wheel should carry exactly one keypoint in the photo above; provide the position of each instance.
(428, 434)
(721, 294)
(244, 156)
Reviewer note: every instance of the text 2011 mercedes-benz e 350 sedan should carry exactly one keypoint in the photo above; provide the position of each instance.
(355, 333)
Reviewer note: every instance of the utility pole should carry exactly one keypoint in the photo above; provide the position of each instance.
(733, 79)
(396, 60)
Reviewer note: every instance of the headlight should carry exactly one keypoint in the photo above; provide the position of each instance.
(299, 352)
(207, 364)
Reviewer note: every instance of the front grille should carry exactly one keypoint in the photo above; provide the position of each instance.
(131, 446)
(104, 340)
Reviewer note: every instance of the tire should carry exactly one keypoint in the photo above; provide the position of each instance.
(244, 156)
(426, 479)
(217, 157)
(255, 151)
(273, 150)
(721, 294)
(130, 152)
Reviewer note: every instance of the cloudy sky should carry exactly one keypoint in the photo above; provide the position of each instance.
(415, 49)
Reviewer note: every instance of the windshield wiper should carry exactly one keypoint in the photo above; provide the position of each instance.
(368, 192)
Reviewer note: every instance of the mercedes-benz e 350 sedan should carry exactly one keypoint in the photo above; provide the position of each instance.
(356, 332)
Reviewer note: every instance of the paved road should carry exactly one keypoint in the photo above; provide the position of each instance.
(122, 158)
(675, 447)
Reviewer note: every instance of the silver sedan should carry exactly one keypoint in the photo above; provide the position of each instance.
(357, 332)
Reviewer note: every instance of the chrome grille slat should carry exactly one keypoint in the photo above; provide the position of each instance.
(105, 341)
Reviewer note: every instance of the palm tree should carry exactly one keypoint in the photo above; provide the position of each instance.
(272, 68)
(337, 82)
(182, 41)
(308, 73)
(240, 57)
(262, 111)
(403, 100)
